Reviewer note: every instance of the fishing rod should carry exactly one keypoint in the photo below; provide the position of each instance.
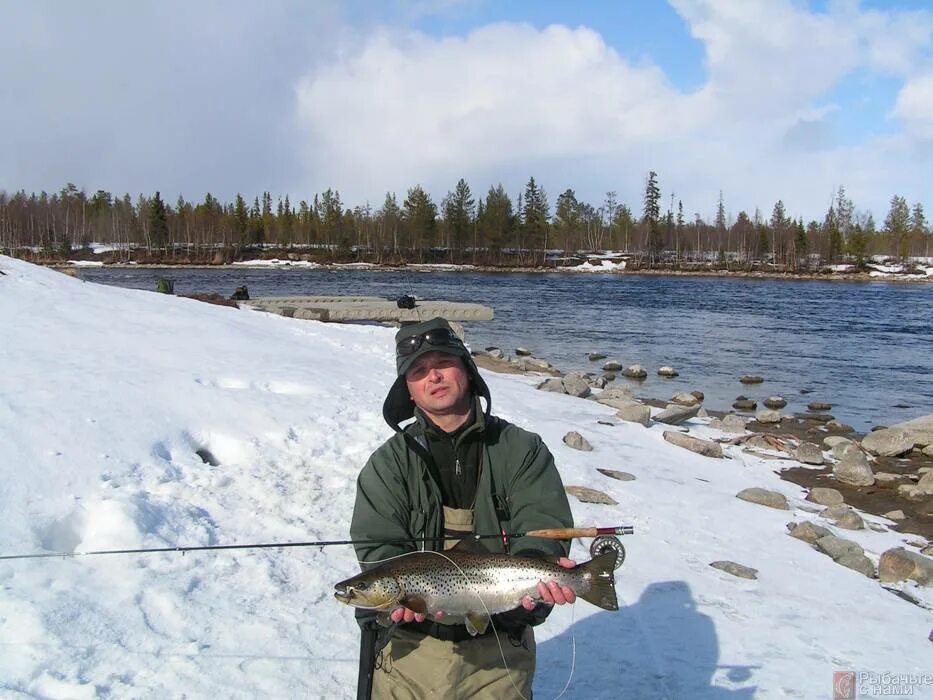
(567, 533)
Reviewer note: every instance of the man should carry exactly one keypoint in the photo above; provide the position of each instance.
(456, 469)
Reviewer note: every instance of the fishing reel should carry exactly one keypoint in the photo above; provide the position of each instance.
(608, 543)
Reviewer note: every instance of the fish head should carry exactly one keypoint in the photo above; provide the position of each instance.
(374, 590)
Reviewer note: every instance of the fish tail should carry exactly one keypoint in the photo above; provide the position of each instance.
(601, 573)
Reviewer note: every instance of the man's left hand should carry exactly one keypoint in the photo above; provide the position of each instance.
(551, 592)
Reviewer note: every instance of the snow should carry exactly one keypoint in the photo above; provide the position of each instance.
(86, 263)
(108, 395)
(275, 262)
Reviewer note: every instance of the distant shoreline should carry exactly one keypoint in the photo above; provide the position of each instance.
(435, 267)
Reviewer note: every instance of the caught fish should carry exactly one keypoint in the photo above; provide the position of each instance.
(472, 585)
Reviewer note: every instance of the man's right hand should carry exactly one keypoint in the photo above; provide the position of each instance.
(401, 614)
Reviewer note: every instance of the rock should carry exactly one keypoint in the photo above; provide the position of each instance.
(819, 406)
(911, 492)
(759, 442)
(699, 395)
(807, 531)
(609, 376)
(920, 429)
(730, 567)
(843, 516)
(599, 383)
(751, 379)
(853, 469)
(702, 447)
(764, 497)
(926, 483)
(744, 404)
(824, 496)
(635, 412)
(886, 480)
(588, 495)
(702, 413)
(593, 356)
(838, 427)
(668, 372)
(554, 384)
(612, 366)
(533, 364)
(766, 415)
(732, 423)
(808, 453)
(927, 551)
(775, 402)
(577, 385)
(576, 441)
(616, 392)
(635, 372)
(889, 442)
(830, 442)
(522, 352)
(613, 474)
(840, 449)
(684, 399)
(927, 451)
(675, 414)
(895, 515)
(818, 417)
(899, 564)
(857, 562)
(836, 547)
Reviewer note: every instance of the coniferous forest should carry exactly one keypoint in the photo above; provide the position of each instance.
(494, 229)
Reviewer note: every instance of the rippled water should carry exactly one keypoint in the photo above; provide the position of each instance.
(865, 347)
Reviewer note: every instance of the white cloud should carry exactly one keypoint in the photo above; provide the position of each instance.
(507, 101)
(914, 106)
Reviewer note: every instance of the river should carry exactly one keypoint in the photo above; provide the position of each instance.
(864, 347)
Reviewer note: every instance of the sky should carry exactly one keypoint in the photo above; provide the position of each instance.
(172, 423)
(757, 99)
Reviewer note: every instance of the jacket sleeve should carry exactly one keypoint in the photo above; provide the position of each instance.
(537, 500)
(381, 511)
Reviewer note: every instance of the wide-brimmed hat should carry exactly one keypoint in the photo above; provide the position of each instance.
(413, 341)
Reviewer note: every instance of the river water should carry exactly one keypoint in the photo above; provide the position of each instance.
(864, 347)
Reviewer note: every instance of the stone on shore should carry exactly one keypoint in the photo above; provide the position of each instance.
(668, 372)
(899, 564)
(926, 483)
(853, 468)
(635, 372)
(702, 447)
(554, 384)
(585, 494)
(839, 427)
(615, 474)
(764, 497)
(751, 379)
(612, 366)
(843, 516)
(578, 442)
(775, 402)
(767, 415)
(676, 414)
(633, 412)
(522, 352)
(740, 570)
(895, 515)
(685, 398)
(731, 423)
(808, 453)
(889, 442)
(807, 531)
(819, 406)
(743, 403)
(824, 496)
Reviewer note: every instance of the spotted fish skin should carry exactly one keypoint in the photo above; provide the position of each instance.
(473, 585)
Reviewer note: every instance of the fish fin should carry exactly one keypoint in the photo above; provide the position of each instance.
(476, 623)
(602, 591)
(470, 546)
(416, 603)
(384, 619)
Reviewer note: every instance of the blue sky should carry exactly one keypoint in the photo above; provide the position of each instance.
(760, 99)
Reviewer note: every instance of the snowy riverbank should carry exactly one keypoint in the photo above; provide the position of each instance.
(133, 419)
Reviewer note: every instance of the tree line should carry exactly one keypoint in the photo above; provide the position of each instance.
(494, 229)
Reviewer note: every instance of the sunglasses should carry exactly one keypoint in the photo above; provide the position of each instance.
(438, 336)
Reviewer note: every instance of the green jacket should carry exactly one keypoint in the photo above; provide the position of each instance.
(519, 489)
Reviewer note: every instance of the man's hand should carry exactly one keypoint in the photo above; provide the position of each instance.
(552, 592)
(401, 614)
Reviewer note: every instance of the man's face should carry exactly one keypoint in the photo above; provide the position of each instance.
(439, 384)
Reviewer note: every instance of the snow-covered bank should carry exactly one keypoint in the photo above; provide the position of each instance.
(129, 419)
